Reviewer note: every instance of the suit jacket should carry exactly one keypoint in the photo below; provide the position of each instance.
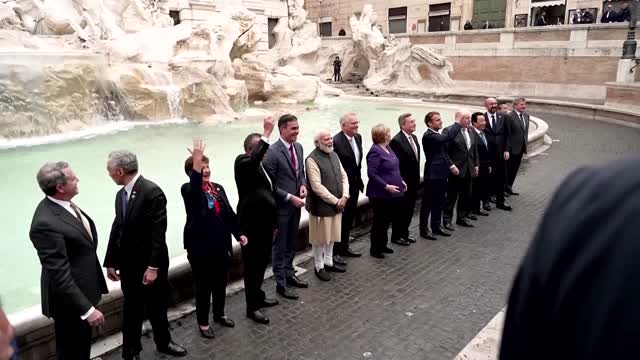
(484, 155)
(608, 16)
(576, 290)
(205, 232)
(517, 133)
(496, 135)
(383, 168)
(287, 181)
(71, 281)
(435, 145)
(409, 161)
(352, 167)
(139, 240)
(465, 159)
(256, 192)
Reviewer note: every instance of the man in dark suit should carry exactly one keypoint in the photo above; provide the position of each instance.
(257, 213)
(137, 255)
(480, 186)
(609, 15)
(576, 294)
(347, 144)
(462, 155)
(72, 282)
(436, 173)
(405, 146)
(285, 163)
(517, 135)
(496, 133)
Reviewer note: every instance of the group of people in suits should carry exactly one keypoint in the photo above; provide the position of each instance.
(273, 186)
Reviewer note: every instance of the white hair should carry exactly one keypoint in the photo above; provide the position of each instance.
(124, 159)
(462, 113)
(346, 116)
(319, 134)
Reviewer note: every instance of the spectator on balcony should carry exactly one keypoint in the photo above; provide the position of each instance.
(587, 17)
(625, 13)
(609, 16)
(542, 19)
(468, 25)
(576, 18)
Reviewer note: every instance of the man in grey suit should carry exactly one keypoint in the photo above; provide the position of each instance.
(72, 282)
(517, 134)
(285, 162)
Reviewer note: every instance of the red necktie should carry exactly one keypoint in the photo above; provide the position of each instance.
(293, 160)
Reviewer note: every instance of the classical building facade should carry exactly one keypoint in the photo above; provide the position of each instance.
(420, 16)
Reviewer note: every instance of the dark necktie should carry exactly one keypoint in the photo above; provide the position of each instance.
(493, 121)
(125, 202)
(293, 161)
(522, 119)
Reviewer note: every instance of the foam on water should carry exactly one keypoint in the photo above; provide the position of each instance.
(88, 133)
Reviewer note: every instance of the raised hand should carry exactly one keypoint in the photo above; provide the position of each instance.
(197, 153)
(268, 125)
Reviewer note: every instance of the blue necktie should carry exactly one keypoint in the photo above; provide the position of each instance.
(125, 202)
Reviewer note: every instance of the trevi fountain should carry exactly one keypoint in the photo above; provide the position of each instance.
(79, 78)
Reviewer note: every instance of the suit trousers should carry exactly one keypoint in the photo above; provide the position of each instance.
(284, 244)
(498, 178)
(137, 299)
(513, 166)
(386, 211)
(73, 337)
(432, 203)
(255, 258)
(480, 188)
(401, 227)
(348, 216)
(210, 277)
(458, 196)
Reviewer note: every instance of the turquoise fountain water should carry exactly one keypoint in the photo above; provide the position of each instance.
(161, 151)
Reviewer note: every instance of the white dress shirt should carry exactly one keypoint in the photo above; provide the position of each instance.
(266, 139)
(354, 147)
(295, 156)
(129, 187)
(414, 147)
(67, 206)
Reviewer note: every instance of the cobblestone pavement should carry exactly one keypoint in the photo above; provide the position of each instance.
(423, 302)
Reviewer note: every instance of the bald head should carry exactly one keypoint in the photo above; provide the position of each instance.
(491, 104)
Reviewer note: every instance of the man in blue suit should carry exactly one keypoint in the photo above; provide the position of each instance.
(436, 172)
(285, 163)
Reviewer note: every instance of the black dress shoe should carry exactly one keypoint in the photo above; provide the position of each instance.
(269, 302)
(338, 260)
(207, 334)
(506, 194)
(440, 232)
(350, 253)
(409, 239)
(464, 222)
(224, 321)
(287, 293)
(428, 235)
(258, 316)
(335, 268)
(174, 349)
(400, 242)
(472, 217)
(377, 255)
(511, 192)
(504, 207)
(296, 282)
(487, 207)
(323, 275)
(447, 226)
(481, 212)
(387, 250)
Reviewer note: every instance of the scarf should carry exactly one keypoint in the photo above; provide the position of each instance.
(213, 197)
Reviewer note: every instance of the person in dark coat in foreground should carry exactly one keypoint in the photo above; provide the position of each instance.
(577, 292)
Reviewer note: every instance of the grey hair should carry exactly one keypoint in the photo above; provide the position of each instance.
(124, 159)
(519, 100)
(51, 175)
(344, 117)
(319, 133)
(461, 113)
